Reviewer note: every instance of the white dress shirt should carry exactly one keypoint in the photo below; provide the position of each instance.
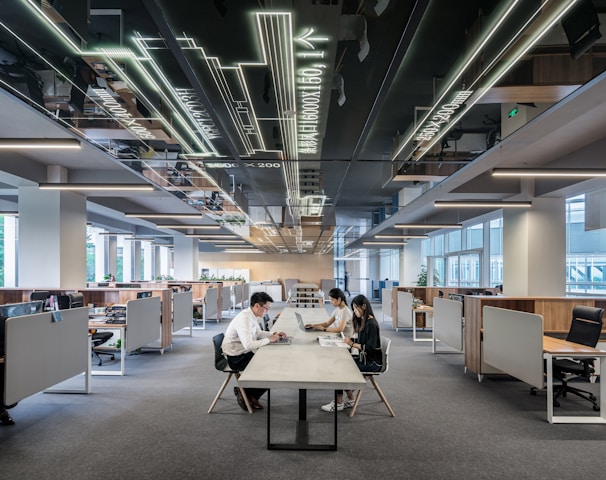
(244, 334)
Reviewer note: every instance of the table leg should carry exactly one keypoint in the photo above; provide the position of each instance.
(302, 429)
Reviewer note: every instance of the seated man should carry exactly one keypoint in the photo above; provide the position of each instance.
(5, 418)
(243, 337)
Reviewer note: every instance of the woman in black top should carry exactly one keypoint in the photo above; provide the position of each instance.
(367, 343)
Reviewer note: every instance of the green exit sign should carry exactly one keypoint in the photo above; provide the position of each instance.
(513, 112)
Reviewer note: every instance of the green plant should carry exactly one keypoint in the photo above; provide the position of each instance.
(422, 277)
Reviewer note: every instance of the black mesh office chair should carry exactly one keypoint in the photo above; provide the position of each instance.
(585, 329)
(98, 339)
(222, 365)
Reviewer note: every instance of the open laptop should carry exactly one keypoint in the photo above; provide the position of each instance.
(302, 323)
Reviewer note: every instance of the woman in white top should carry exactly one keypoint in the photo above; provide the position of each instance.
(341, 319)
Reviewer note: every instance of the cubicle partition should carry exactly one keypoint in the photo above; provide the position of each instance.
(447, 324)
(143, 323)
(403, 317)
(45, 349)
(225, 299)
(556, 313)
(182, 311)
(211, 310)
(386, 301)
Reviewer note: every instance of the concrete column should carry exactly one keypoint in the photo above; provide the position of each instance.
(186, 258)
(52, 239)
(534, 249)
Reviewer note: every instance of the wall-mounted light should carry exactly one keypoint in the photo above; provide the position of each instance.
(39, 143)
(481, 204)
(122, 187)
(428, 225)
(549, 172)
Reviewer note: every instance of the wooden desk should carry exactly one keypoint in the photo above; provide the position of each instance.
(303, 365)
(555, 347)
(425, 310)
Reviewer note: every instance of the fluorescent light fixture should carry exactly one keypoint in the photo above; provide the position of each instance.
(116, 234)
(204, 235)
(122, 187)
(385, 243)
(481, 203)
(549, 172)
(204, 240)
(428, 225)
(221, 245)
(178, 226)
(379, 236)
(164, 215)
(39, 143)
(234, 250)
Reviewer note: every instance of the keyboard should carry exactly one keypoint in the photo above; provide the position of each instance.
(282, 341)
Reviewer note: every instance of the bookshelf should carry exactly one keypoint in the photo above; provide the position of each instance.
(305, 295)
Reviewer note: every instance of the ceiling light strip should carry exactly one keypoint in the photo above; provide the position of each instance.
(481, 204)
(40, 143)
(428, 225)
(548, 172)
(99, 187)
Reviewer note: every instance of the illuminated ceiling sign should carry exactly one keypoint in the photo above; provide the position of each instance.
(192, 102)
(440, 118)
(310, 82)
(122, 115)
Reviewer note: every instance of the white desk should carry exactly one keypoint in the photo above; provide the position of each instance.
(303, 365)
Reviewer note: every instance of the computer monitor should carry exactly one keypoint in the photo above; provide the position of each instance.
(144, 294)
(20, 309)
(128, 285)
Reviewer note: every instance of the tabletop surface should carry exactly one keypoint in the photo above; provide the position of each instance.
(304, 363)
(558, 345)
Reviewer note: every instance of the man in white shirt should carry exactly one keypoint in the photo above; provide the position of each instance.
(243, 337)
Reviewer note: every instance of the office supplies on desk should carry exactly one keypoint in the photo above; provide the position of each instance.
(332, 341)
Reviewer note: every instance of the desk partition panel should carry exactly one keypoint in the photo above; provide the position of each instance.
(386, 299)
(448, 323)
(41, 352)
(405, 316)
(210, 304)
(513, 343)
(142, 322)
(182, 310)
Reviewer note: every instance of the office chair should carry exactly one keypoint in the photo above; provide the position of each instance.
(385, 343)
(98, 339)
(222, 365)
(585, 329)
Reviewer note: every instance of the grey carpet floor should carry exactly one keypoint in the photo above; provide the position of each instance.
(152, 424)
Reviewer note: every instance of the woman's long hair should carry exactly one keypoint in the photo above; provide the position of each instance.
(337, 294)
(363, 304)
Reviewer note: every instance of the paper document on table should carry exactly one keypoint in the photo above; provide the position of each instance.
(328, 341)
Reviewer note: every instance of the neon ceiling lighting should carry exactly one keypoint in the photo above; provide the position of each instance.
(163, 215)
(553, 16)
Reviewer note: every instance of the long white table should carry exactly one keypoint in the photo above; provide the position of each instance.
(303, 365)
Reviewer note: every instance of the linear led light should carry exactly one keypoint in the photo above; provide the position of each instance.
(116, 234)
(481, 203)
(40, 143)
(177, 226)
(204, 240)
(237, 250)
(384, 243)
(221, 245)
(400, 236)
(548, 172)
(216, 237)
(132, 187)
(163, 215)
(428, 225)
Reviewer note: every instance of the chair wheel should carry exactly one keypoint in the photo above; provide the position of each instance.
(556, 403)
(593, 397)
(596, 408)
(533, 393)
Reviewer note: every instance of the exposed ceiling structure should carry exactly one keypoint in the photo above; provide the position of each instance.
(285, 121)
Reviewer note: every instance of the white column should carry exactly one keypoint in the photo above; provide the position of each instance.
(52, 239)
(127, 261)
(534, 249)
(186, 258)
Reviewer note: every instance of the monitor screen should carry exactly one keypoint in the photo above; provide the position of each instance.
(19, 309)
(144, 294)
